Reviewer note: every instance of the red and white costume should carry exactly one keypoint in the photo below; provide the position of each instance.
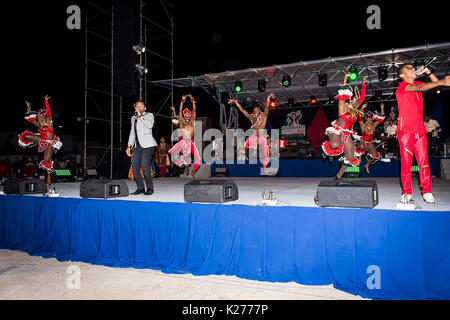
(346, 130)
(369, 138)
(254, 141)
(412, 137)
(42, 133)
(187, 147)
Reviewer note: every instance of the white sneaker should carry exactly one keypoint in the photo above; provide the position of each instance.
(405, 198)
(428, 197)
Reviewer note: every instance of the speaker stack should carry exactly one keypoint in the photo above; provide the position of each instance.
(25, 186)
(349, 194)
(210, 191)
(96, 188)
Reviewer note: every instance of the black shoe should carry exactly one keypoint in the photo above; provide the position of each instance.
(149, 192)
(138, 191)
(336, 178)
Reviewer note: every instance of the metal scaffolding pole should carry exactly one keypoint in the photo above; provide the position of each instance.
(85, 96)
(112, 94)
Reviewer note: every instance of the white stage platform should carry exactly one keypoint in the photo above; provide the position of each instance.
(288, 191)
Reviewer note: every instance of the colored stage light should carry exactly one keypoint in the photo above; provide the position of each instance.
(262, 85)
(238, 86)
(313, 100)
(141, 69)
(419, 63)
(353, 74)
(272, 103)
(139, 49)
(323, 79)
(382, 73)
(286, 81)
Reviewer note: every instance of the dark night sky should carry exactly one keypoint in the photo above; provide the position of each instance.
(43, 56)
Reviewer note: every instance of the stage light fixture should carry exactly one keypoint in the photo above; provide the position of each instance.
(331, 98)
(323, 79)
(141, 69)
(286, 81)
(238, 86)
(382, 73)
(418, 63)
(139, 49)
(291, 101)
(272, 103)
(262, 85)
(379, 94)
(353, 74)
(313, 100)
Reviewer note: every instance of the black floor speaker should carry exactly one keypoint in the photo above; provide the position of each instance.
(347, 193)
(25, 186)
(96, 188)
(211, 191)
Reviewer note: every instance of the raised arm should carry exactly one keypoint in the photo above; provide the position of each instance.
(31, 116)
(346, 78)
(194, 107)
(245, 113)
(180, 111)
(363, 91)
(428, 85)
(47, 106)
(174, 113)
(266, 109)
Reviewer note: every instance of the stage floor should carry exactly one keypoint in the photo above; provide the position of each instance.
(288, 191)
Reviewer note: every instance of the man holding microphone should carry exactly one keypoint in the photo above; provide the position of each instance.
(141, 139)
(411, 131)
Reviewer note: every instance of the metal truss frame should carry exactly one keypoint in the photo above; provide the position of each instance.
(304, 77)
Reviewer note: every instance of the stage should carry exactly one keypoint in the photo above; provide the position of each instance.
(379, 253)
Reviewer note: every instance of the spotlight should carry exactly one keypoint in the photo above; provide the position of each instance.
(262, 85)
(353, 74)
(291, 101)
(419, 63)
(382, 73)
(323, 79)
(313, 100)
(238, 86)
(378, 94)
(139, 49)
(141, 69)
(272, 103)
(331, 98)
(286, 81)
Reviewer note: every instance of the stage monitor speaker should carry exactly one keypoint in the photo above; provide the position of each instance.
(211, 191)
(25, 186)
(346, 193)
(96, 188)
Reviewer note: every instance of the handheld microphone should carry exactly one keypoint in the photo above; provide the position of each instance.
(426, 65)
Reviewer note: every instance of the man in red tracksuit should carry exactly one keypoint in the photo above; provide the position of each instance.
(412, 134)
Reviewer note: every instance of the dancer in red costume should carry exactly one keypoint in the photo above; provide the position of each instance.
(46, 140)
(258, 121)
(412, 134)
(186, 145)
(341, 130)
(372, 120)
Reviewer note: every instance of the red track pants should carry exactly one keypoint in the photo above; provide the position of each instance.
(412, 144)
